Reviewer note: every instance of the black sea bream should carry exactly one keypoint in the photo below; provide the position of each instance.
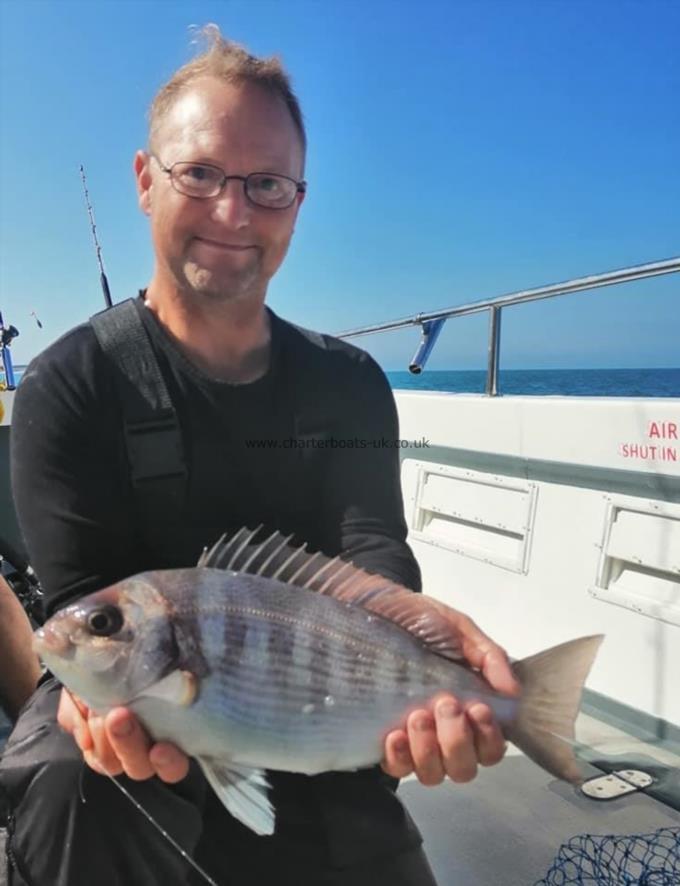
(284, 660)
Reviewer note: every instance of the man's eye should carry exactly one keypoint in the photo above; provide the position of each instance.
(267, 184)
(194, 175)
(198, 173)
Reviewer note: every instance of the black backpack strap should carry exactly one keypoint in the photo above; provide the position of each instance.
(151, 429)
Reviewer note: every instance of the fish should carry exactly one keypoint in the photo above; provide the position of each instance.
(267, 657)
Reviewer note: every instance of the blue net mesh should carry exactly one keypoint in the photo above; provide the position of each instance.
(637, 860)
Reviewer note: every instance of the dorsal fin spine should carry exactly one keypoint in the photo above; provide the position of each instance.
(290, 559)
(302, 568)
(225, 554)
(307, 585)
(343, 568)
(363, 580)
(269, 559)
(251, 559)
(217, 552)
(244, 544)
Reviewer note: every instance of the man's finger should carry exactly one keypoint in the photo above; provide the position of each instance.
(456, 740)
(482, 653)
(169, 763)
(398, 761)
(422, 738)
(497, 670)
(68, 710)
(92, 760)
(489, 740)
(72, 718)
(129, 743)
(79, 703)
(65, 713)
(476, 644)
(102, 758)
(82, 735)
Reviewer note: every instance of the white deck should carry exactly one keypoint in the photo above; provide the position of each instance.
(506, 827)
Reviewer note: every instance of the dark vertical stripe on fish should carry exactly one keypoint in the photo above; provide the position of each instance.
(235, 638)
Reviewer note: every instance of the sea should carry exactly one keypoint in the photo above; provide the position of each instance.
(546, 382)
(538, 382)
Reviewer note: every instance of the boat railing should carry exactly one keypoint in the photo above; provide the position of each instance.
(431, 323)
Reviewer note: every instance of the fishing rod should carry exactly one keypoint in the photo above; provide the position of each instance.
(98, 249)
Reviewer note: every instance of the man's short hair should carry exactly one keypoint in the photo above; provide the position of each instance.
(232, 63)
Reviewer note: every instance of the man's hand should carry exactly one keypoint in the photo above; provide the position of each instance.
(117, 743)
(448, 739)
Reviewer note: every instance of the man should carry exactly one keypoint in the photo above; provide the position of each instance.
(222, 184)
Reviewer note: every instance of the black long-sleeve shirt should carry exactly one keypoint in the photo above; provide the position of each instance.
(309, 448)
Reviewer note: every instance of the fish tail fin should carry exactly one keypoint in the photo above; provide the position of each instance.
(552, 684)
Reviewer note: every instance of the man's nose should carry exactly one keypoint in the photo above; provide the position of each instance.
(231, 206)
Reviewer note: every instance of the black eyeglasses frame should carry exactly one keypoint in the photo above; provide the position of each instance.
(301, 186)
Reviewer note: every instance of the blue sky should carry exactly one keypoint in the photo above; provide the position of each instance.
(458, 150)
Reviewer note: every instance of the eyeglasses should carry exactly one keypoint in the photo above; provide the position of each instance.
(202, 180)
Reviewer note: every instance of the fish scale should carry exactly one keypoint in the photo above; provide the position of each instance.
(288, 702)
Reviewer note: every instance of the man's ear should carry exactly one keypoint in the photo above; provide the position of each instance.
(142, 170)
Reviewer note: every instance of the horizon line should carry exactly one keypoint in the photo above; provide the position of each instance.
(552, 369)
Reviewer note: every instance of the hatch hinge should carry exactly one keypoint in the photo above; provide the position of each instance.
(616, 784)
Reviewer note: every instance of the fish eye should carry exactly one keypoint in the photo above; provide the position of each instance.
(105, 621)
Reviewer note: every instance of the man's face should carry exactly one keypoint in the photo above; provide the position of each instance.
(222, 247)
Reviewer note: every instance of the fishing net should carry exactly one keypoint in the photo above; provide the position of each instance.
(636, 860)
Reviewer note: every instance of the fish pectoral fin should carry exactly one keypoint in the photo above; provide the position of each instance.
(243, 791)
(177, 687)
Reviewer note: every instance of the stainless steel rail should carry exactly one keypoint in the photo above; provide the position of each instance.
(433, 321)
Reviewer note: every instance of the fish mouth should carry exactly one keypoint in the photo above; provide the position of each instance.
(49, 641)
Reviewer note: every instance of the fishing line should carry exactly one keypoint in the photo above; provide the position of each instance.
(161, 830)
(81, 782)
